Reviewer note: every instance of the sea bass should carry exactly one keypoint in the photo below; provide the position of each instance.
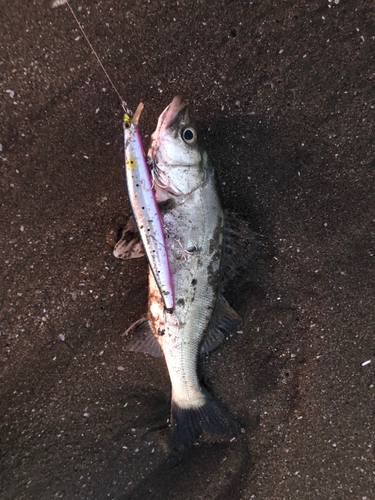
(196, 233)
(193, 222)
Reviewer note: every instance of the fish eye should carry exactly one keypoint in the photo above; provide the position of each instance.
(189, 135)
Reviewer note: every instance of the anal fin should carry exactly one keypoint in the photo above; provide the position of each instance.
(143, 339)
(224, 321)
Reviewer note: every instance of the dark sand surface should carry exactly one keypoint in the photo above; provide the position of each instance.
(285, 91)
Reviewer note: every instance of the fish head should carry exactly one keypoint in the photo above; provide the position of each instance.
(177, 150)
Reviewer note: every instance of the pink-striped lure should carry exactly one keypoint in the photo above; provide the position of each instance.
(145, 209)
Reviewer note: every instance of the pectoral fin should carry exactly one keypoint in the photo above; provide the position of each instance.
(224, 321)
(129, 246)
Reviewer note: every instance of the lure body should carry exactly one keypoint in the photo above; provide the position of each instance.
(145, 209)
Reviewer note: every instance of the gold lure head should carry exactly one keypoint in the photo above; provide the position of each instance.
(127, 121)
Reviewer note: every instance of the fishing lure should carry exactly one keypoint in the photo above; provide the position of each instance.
(145, 209)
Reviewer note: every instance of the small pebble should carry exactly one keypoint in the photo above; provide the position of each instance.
(57, 3)
(121, 368)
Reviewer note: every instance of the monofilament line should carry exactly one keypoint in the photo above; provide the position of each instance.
(123, 103)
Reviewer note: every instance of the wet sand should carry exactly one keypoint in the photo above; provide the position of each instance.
(284, 92)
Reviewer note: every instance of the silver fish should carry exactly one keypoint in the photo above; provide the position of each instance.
(194, 227)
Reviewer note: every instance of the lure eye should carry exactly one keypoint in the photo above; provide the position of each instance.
(189, 135)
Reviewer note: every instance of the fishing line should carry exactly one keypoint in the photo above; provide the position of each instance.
(123, 103)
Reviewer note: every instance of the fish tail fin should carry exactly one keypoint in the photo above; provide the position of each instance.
(212, 418)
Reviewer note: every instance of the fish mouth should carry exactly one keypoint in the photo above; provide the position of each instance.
(172, 112)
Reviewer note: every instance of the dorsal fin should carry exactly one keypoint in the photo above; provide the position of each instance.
(240, 244)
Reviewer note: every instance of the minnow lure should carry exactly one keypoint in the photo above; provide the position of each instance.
(145, 209)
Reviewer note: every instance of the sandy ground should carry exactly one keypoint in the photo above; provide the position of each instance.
(285, 93)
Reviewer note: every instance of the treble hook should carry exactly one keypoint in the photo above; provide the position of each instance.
(171, 313)
(148, 189)
(184, 252)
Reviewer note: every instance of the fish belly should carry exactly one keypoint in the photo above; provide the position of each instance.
(193, 233)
